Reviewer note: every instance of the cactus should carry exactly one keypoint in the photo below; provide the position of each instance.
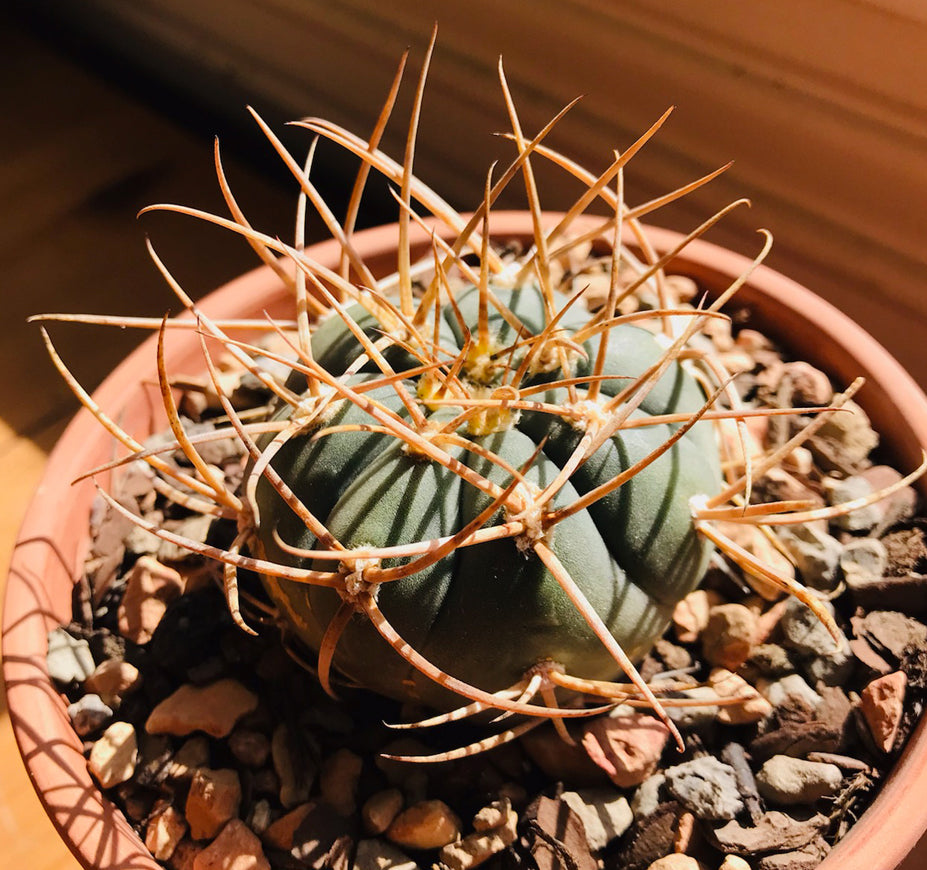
(474, 488)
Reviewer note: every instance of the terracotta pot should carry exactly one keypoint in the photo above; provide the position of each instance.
(54, 536)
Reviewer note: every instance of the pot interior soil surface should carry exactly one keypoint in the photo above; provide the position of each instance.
(214, 743)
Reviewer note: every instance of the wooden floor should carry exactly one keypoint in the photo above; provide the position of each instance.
(78, 157)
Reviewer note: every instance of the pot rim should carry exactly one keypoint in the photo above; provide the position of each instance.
(99, 835)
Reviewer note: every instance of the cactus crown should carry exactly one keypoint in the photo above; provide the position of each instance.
(473, 484)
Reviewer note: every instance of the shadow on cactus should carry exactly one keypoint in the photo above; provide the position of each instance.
(476, 490)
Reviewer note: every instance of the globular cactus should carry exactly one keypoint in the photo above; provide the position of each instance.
(488, 612)
(473, 487)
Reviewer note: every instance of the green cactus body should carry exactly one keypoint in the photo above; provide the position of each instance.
(489, 612)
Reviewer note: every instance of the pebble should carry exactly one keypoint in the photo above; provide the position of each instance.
(492, 815)
(68, 659)
(380, 809)
(214, 709)
(834, 668)
(809, 857)
(649, 839)
(88, 713)
(863, 562)
(627, 746)
(705, 786)
(690, 616)
(674, 657)
(781, 485)
(647, 796)
(810, 386)
(113, 679)
(840, 491)
(774, 831)
(734, 862)
(729, 685)
(166, 828)
(338, 780)
(891, 631)
(778, 692)
(696, 716)
(428, 824)
(184, 854)
(906, 593)
(729, 635)
(900, 505)
(376, 854)
(483, 843)
(882, 705)
(260, 816)
(295, 771)
(251, 748)
(323, 840)
(214, 798)
(280, 833)
(848, 434)
(675, 861)
(604, 814)
(768, 620)
(800, 461)
(195, 527)
(236, 848)
(787, 781)
(770, 660)
(862, 649)
(816, 553)
(803, 632)
(553, 830)
(754, 541)
(150, 587)
(114, 755)
(192, 754)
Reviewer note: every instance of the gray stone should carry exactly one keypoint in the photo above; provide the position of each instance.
(770, 660)
(774, 831)
(707, 787)
(803, 632)
(808, 857)
(647, 797)
(786, 781)
(794, 685)
(605, 814)
(863, 561)
(846, 490)
(816, 553)
(849, 435)
(691, 718)
(88, 714)
(821, 658)
(69, 659)
(833, 668)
